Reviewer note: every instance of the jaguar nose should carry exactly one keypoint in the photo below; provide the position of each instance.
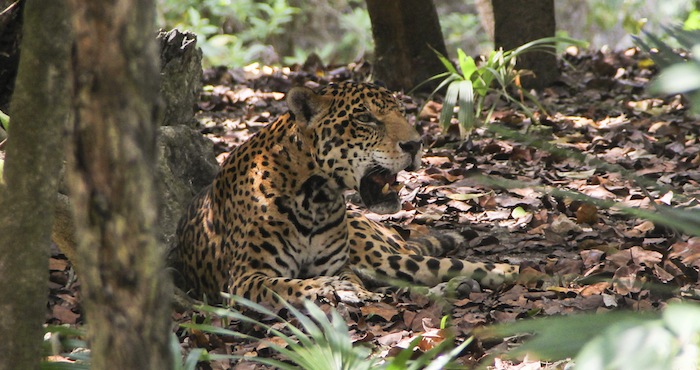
(411, 147)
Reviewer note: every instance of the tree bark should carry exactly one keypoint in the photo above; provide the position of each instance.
(520, 21)
(39, 111)
(404, 32)
(126, 290)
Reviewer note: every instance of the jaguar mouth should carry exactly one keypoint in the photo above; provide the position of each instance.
(379, 190)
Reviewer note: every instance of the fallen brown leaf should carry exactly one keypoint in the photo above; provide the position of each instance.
(379, 309)
(587, 213)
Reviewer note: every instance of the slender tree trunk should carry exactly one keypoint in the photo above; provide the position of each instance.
(404, 32)
(126, 290)
(520, 21)
(39, 111)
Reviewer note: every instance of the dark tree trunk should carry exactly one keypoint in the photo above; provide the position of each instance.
(404, 32)
(39, 111)
(520, 21)
(10, 38)
(126, 290)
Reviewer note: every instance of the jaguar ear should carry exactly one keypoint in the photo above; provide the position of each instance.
(304, 103)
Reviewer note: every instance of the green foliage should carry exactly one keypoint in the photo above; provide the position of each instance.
(611, 20)
(616, 340)
(4, 121)
(679, 74)
(239, 32)
(470, 83)
(61, 339)
(663, 54)
(462, 29)
(682, 78)
(354, 42)
(692, 22)
(230, 32)
(190, 363)
(321, 343)
(339, 30)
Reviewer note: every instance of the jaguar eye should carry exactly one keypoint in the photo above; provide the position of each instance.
(364, 118)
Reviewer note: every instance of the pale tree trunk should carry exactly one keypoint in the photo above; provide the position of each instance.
(39, 111)
(126, 289)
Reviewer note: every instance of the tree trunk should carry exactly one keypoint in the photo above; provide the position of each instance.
(404, 32)
(520, 21)
(39, 111)
(126, 290)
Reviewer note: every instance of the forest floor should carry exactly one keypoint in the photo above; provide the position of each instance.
(617, 143)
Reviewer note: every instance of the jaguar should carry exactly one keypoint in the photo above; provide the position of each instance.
(274, 226)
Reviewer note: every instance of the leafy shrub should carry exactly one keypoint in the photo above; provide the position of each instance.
(321, 343)
(617, 340)
(231, 32)
(240, 32)
(470, 83)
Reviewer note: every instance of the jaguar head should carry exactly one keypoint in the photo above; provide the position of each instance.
(361, 138)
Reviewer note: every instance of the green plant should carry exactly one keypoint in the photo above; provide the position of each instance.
(469, 83)
(190, 363)
(321, 343)
(616, 340)
(680, 74)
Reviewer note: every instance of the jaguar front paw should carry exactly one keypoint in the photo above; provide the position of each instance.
(337, 290)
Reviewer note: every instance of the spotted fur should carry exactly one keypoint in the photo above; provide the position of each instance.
(274, 219)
